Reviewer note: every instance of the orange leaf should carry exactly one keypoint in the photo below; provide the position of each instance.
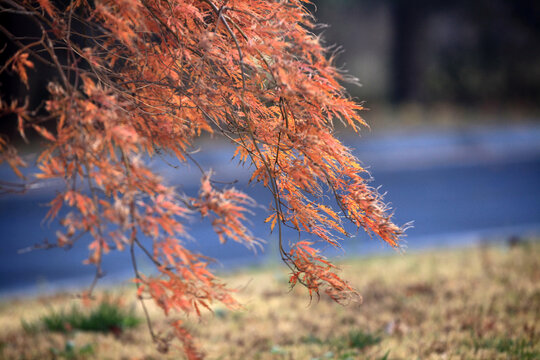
(47, 6)
(20, 63)
(44, 132)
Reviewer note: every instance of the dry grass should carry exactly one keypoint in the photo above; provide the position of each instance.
(466, 304)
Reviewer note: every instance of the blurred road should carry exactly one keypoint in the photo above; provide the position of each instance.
(459, 188)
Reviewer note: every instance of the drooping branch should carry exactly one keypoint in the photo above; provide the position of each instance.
(144, 77)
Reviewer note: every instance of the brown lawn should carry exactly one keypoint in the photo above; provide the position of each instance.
(477, 303)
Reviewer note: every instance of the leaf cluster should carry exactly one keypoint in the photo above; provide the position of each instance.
(140, 78)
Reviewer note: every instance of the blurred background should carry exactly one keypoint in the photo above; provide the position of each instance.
(457, 59)
(453, 92)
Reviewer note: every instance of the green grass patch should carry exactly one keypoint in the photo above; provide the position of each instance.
(311, 339)
(355, 340)
(108, 316)
(358, 339)
(70, 351)
(347, 346)
(519, 348)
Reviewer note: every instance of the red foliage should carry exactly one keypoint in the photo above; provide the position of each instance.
(151, 76)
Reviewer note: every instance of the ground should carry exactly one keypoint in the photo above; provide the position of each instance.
(473, 303)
